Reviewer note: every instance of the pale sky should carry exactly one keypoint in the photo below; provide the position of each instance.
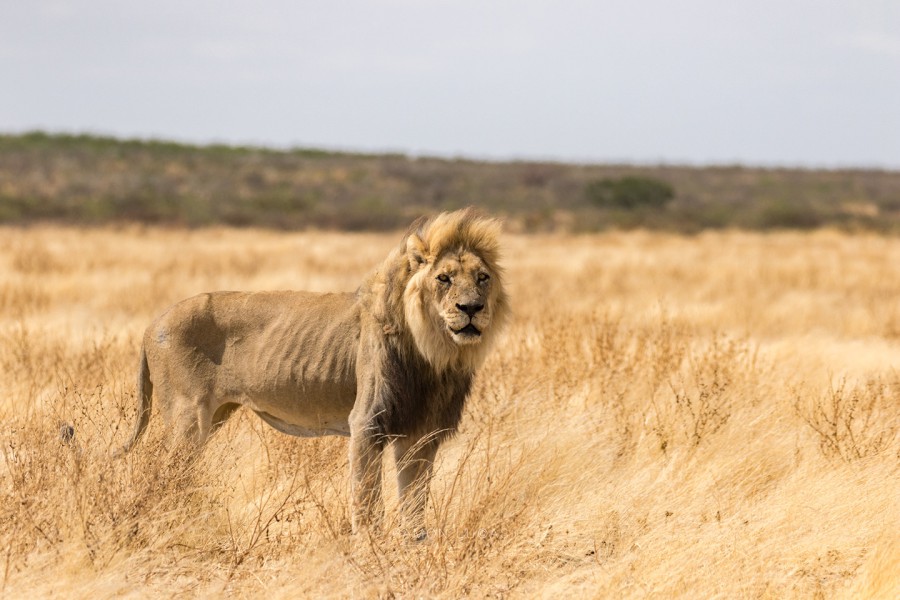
(761, 82)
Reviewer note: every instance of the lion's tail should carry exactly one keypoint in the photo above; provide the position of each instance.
(145, 396)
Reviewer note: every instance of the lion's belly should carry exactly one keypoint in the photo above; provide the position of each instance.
(304, 408)
(336, 427)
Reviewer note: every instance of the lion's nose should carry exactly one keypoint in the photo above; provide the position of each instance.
(470, 309)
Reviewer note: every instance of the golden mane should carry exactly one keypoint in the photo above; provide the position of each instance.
(426, 241)
(465, 229)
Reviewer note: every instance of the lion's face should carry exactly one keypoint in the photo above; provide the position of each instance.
(460, 286)
(454, 303)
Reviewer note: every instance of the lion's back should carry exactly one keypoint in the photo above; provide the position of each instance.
(274, 339)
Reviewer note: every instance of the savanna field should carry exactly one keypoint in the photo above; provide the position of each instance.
(667, 416)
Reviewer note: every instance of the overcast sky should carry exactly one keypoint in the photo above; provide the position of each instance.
(763, 82)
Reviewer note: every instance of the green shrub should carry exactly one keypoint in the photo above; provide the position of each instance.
(629, 192)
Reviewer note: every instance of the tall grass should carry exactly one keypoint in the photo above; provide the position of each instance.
(714, 416)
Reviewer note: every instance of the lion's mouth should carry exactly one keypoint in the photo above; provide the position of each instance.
(468, 330)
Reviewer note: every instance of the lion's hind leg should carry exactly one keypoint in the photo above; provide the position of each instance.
(189, 421)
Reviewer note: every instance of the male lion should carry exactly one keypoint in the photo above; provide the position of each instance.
(391, 363)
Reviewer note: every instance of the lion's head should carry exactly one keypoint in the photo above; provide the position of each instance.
(453, 299)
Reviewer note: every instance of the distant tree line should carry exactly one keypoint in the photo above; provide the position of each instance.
(92, 180)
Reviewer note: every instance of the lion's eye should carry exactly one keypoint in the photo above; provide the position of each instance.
(482, 277)
(443, 278)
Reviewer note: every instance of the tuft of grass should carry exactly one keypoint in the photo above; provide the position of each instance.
(852, 422)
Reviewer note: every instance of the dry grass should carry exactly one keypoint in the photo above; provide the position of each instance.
(715, 416)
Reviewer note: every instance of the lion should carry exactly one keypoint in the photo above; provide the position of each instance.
(389, 365)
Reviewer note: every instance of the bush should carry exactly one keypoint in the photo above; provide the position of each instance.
(629, 192)
(851, 422)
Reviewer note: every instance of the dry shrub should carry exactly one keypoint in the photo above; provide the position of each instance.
(852, 422)
(706, 389)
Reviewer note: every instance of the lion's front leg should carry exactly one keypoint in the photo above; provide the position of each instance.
(366, 507)
(415, 463)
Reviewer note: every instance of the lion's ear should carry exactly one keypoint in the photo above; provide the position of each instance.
(415, 250)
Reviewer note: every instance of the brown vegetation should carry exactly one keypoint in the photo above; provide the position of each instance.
(94, 180)
(716, 416)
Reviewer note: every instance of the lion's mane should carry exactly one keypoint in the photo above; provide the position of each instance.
(418, 359)
(401, 301)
